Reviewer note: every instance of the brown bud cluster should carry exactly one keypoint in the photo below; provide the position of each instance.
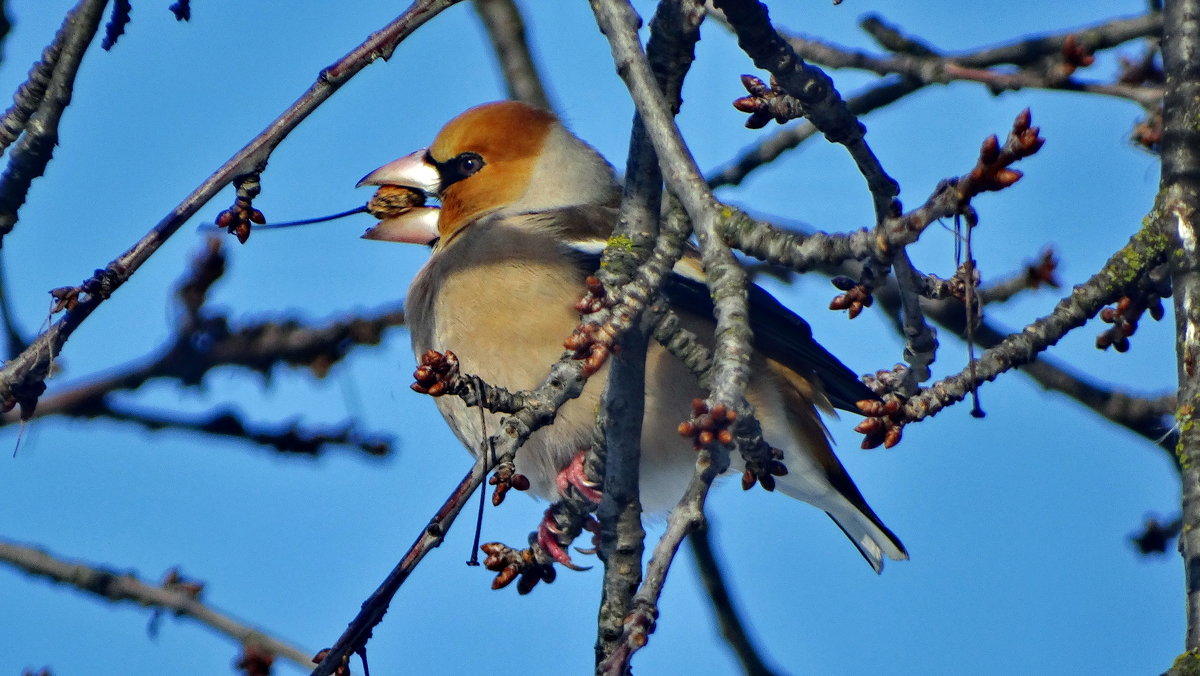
(437, 374)
(65, 298)
(237, 218)
(856, 297)
(393, 200)
(992, 171)
(1044, 271)
(255, 660)
(707, 426)
(884, 422)
(592, 343)
(764, 473)
(596, 299)
(504, 479)
(511, 564)
(1075, 56)
(764, 103)
(1124, 318)
(1148, 133)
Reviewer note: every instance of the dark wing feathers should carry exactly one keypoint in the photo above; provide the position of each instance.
(781, 335)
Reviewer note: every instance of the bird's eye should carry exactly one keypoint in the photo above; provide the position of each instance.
(468, 164)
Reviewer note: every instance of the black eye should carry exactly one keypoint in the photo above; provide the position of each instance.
(468, 163)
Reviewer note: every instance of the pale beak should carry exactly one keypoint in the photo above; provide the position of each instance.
(417, 225)
(411, 171)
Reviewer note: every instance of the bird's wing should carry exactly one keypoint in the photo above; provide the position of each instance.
(779, 333)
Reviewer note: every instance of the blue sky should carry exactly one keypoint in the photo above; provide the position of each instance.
(1017, 523)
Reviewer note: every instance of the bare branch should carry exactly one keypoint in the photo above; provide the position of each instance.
(40, 130)
(1021, 53)
(180, 600)
(354, 639)
(22, 380)
(1144, 251)
(715, 585)
(674, 31)
(506, 29)
(1176, 218)
(1040, 59)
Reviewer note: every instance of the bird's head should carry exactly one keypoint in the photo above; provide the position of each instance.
(495, 159)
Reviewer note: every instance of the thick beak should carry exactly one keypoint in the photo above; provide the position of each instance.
(417, 225)
(411, 171)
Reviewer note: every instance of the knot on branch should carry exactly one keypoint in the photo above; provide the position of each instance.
(182, 9)
(26, 393)
(1140, 71)
(342, 669)
(173, 580)
(116, 24)
(237, 218)
(206, 268)
(1156, 535)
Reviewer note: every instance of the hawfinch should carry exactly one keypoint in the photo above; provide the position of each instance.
(525, 208)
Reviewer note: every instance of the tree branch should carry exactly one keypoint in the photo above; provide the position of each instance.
(114, 585)
(506, 29)
(39, 135)
(22, 380)
(674, 31)
(1176, 218)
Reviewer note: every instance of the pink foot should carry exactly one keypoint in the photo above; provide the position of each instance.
(573, 475)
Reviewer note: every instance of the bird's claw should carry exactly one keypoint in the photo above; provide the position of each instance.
(547, 539)
(574, 475)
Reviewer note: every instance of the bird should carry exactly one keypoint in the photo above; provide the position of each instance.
(525, 208)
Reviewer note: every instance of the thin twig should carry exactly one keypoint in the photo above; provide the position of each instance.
(22, 380)
(1024, 52)
(717, 588)
(1146, 249)
(354, 639)
(117, 585)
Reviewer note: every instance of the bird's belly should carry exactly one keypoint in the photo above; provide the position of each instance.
(514, 350)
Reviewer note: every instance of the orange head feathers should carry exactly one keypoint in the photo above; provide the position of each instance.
(501, 158)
